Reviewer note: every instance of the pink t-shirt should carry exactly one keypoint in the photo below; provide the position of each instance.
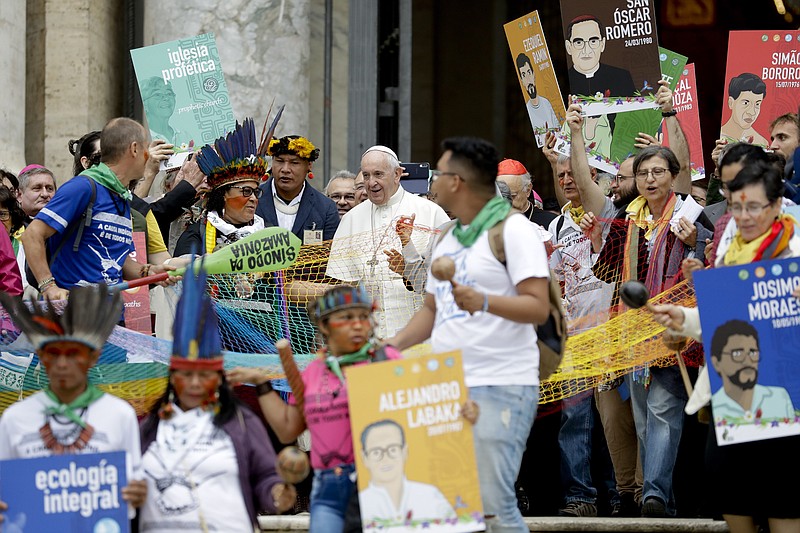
(327, 416)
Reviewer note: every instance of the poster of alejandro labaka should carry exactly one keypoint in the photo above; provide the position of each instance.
(762, 82)
(686, 104)
(612, 49)
(79, 493)
(415, 456)
(537, 79)
(184, 93)
(750, 347)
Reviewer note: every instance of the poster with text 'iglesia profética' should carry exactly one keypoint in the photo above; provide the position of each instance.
(184, 93)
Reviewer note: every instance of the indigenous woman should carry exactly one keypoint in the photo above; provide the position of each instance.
(752, 481)
(650, 249)
(343, 316)
(207, 458)
(71, 416)
(231, 203)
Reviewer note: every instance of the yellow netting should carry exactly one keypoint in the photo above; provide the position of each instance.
(257, 310)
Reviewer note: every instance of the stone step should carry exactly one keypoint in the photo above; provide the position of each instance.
(550, 524)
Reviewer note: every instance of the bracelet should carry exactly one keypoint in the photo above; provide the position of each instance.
(264, 388)
(145, 270)
(485, 307)
(45, 282)
(667, 114)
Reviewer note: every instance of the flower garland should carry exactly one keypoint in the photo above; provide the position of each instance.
(293, 144)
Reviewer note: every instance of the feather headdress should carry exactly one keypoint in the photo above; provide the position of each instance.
(89, 317)
(196, 343)
(238, 156)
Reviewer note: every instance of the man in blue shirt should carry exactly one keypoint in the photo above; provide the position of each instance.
(93, 210)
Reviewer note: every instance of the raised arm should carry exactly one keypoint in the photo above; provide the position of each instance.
(592, 196)
(677, 139)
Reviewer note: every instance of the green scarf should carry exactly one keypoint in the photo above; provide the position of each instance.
(87, 397)
(493, 212)
(105, 176)
(335, 363)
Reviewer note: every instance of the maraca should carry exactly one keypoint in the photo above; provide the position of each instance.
(292, 465)
(443, 268)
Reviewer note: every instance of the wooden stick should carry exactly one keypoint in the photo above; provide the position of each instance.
(292, 373)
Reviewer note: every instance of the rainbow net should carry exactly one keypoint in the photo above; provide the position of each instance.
(258, 309)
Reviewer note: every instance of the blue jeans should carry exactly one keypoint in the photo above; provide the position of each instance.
(575, 443)
(658, 415)
(505, 421)
(330, 494)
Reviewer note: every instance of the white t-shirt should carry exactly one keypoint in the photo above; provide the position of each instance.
(192, 473)
(587, 298)
(113, 420)
(496, 351)
(423, 501)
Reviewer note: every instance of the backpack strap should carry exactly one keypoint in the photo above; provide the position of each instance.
(84, 221)
(559, 225)
(495, 235)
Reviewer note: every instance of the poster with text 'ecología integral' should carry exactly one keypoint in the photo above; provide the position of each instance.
(80, 493)
(537, 79)
(184, 93)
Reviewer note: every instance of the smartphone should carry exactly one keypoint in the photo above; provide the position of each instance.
(416, 170)
(417, 179)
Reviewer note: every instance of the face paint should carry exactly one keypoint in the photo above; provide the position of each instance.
(194, 388)
(743, 196)
(237, 202)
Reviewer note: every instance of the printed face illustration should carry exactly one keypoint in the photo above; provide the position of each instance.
(739, 361)
(528, 79)
(385, 454)
(746, 108)
(586, 46)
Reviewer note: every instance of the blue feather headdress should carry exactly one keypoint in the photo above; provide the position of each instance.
(196, 343)
(238, 156)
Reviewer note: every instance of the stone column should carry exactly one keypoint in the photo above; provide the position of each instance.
(12, 65)
(75, 75)
(263, 46)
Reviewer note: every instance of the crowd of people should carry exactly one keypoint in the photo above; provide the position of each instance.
(72, 241)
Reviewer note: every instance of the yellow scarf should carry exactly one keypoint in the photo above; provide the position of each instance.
(639, 212)
(575, 212)
(766, 246)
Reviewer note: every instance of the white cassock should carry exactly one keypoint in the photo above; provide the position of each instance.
(357, 253)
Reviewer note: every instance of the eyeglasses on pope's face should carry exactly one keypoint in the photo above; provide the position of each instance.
(247, 190)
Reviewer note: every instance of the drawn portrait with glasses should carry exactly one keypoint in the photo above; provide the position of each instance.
(385, 453)
(736, 355)
(585, 43)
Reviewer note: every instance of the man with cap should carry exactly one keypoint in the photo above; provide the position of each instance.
(357, 251)
(78, 418)
(516, 176)
(287, 200)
